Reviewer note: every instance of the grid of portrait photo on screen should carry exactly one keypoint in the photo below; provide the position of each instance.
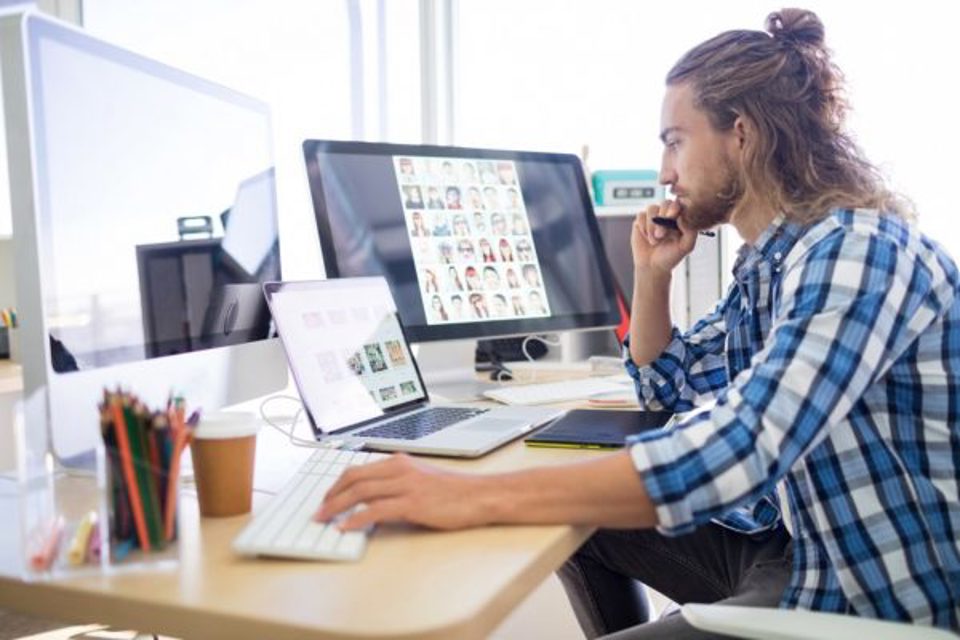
(475, 256)
(381, 363)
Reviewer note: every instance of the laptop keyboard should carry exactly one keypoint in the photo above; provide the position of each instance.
(421, 424)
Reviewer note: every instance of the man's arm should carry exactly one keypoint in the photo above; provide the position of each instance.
(604, 491)
(656, 251)
(672, 371)
(651, 326)
(850, 305)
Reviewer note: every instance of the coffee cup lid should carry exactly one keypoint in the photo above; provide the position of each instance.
(220, 425)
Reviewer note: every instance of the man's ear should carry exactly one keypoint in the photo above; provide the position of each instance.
(741, 130)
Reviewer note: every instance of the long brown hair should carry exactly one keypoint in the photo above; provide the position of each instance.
(785, 87)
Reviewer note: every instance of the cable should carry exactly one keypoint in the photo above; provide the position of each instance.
(293, 439)
(526, 354)
(543, 339)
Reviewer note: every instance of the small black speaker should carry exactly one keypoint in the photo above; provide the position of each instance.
(509, 349)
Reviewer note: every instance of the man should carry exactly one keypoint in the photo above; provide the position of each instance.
(832, 368)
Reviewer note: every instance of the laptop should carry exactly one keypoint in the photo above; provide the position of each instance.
(360, 384)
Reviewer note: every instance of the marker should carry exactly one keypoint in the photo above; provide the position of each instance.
(671, 223)
(93, 546)
(42, 558)
(77, 553)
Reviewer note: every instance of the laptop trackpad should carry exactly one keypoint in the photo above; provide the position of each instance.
(490, 424)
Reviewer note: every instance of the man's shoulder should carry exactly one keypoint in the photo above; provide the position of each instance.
(865, 222)
(871, 239)
(845, 231)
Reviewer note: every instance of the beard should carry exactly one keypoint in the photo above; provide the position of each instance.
(704, 211)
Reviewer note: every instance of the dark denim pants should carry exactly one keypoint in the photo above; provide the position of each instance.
(712, 564)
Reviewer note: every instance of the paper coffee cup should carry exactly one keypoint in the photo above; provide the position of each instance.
(224, 446)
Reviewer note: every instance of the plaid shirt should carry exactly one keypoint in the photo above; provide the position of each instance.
(834, 363)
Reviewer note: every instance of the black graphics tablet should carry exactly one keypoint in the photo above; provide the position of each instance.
(596, 429)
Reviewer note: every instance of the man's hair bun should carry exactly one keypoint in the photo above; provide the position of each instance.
(796, 26)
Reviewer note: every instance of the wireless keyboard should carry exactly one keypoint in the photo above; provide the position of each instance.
(548, 392)
(285, 528)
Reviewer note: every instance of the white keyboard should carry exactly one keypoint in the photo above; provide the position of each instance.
(285, 528)
(564, 390)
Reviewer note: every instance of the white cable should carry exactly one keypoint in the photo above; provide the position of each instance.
(526, 354)
(294, 440)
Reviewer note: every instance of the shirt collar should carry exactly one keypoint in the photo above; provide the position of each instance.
(772, 246)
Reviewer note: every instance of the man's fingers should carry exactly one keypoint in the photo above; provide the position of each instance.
(365, 491)
(640, 225)
(645, 227)
(389, 510)
(360, 483)
(369, 471)
(672, 209)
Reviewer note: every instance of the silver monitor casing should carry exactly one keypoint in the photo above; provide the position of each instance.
(67, 402)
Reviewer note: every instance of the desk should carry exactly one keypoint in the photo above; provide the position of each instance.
(412, 583)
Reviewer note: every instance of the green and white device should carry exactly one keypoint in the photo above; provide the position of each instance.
(626, 187)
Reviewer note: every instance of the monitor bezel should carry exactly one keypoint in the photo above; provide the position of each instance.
(466, 330)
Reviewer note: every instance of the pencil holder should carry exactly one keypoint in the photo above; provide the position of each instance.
(143, 448)
(67, 518)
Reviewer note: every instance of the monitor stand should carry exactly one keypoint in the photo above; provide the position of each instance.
(449, 371)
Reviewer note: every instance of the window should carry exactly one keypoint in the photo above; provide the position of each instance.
(552, 75)
(337, 70)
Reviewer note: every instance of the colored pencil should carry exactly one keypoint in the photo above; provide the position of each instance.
(126, 461)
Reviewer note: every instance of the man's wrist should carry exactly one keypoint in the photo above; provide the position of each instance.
(652, 275)
(495, 502)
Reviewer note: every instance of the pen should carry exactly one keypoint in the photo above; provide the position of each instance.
(671, 223)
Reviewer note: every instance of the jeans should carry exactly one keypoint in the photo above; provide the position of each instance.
(712, 565)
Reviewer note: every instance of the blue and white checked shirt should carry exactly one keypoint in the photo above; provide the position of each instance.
(834, 363)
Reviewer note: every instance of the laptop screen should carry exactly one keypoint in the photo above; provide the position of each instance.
(346, 349)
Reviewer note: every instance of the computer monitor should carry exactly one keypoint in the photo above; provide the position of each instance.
(109, 152)
(475, 243)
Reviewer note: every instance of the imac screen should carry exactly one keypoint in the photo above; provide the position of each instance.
(474, 242)
(156, 217)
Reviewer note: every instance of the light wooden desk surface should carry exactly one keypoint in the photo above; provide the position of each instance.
(412, 583)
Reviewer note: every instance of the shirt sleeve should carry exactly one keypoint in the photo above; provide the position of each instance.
(848, 309)
(691, 369)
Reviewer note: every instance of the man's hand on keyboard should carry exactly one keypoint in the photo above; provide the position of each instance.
(401, 489)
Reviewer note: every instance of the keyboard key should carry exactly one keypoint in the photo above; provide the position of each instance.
(351, 543)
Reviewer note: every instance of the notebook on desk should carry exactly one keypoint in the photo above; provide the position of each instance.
(360, 383)
(596, 429)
